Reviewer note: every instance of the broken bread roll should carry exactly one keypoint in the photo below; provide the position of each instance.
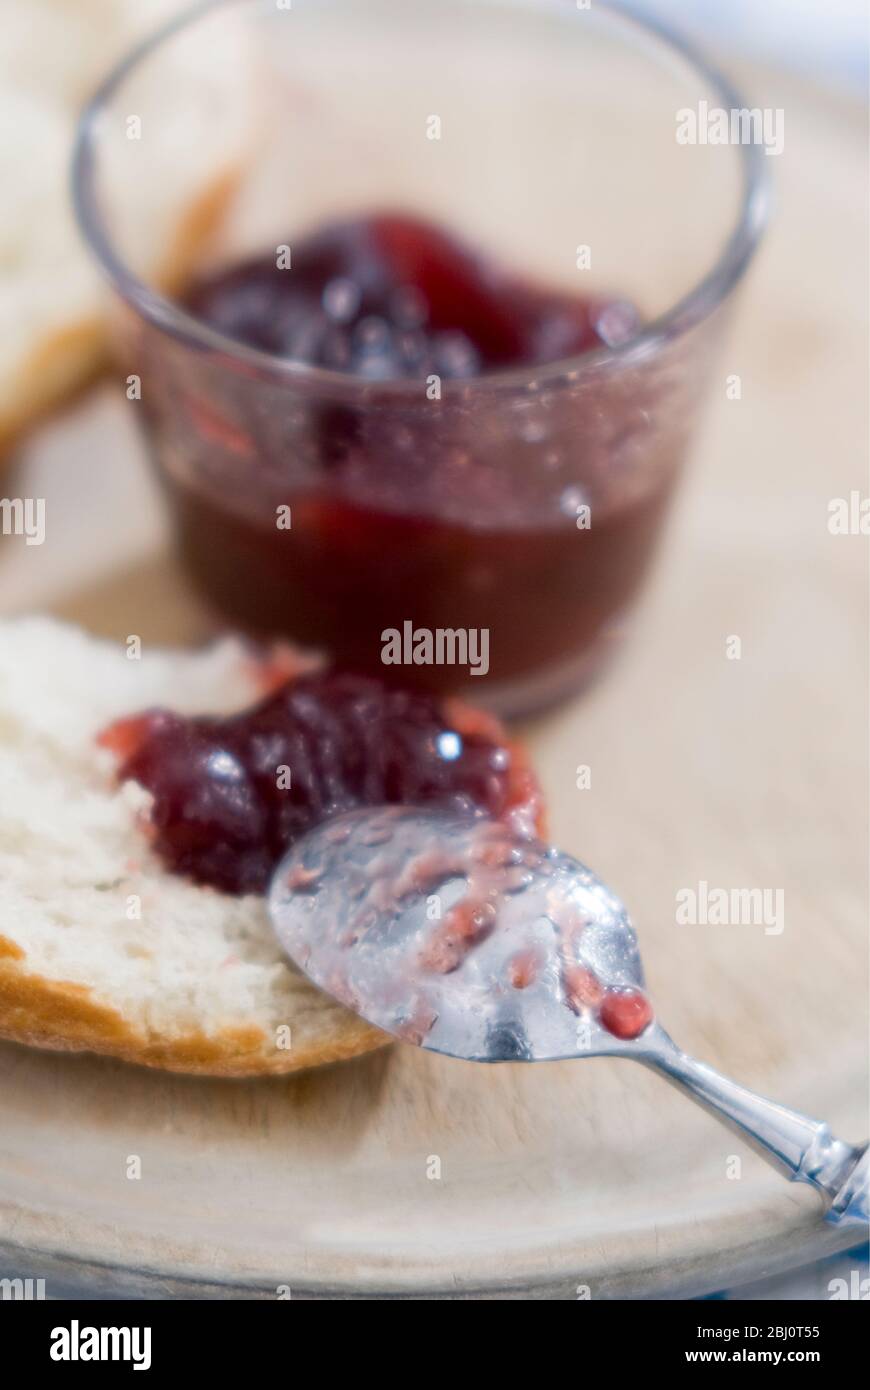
(53, 300)
(100, 947)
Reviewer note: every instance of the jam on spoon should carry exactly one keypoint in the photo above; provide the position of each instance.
(550, 971)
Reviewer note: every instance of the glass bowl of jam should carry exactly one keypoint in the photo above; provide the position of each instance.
(424, 374)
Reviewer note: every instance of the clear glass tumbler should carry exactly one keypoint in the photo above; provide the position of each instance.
(524, 503)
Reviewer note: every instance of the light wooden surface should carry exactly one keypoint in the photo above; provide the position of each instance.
(749, 773)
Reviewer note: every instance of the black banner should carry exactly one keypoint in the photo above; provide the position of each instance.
(156, 1337)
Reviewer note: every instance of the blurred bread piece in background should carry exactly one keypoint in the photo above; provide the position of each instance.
(53, 298)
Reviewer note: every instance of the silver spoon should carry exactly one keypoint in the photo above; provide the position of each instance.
(464, 938)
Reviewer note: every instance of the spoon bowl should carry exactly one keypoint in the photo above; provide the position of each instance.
(492, 947)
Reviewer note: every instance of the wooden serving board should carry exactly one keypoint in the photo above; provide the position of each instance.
(740, 773)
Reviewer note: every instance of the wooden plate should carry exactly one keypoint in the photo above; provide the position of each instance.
(751, 773)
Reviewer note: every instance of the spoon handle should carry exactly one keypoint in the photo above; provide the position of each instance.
(803, 1147)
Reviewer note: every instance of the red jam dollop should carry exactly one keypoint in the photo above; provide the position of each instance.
(230, 795)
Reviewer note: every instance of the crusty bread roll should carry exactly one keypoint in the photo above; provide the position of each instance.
(53, 301)
(100, 948)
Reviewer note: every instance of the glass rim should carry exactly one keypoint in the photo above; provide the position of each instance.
(168, 315)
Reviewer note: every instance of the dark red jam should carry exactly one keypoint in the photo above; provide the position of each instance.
(231, 795)
(391, 297)
(456, 512)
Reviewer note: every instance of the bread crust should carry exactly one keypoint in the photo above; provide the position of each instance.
(61, 1016)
